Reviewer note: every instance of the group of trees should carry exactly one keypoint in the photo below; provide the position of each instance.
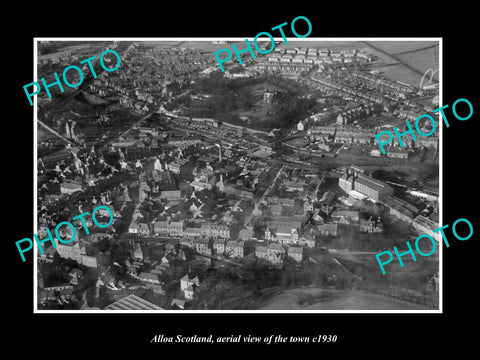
(221, 286)
(220, 103)
(292, 109)
(230, 95)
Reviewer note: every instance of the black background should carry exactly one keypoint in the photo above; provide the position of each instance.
(363, 334)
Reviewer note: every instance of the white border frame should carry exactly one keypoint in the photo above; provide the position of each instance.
(346, 39)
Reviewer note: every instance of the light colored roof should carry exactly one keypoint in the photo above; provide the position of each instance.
(233, 243)
(176, 224)
(170, 193)
(295, 250)
(397, 150)
(285, 229)
(180, 303)
(343, 212)
(71, 185)
(292, 224)
(327, 226)
(133, 302)
(215, 226)
(147, 275)
(276, 247)
(169, 225)
(201, 183)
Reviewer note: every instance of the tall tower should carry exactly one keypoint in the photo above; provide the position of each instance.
(67, 130)
(219, 152)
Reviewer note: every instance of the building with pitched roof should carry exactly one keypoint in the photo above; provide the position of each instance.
(353, 179)
(171, 228)
(75, 251)
(219, 245)
(235, 248)
(132, 302)
(149, 277)
(216, 230)
(295, 252)
(275, 253)
(202, 246)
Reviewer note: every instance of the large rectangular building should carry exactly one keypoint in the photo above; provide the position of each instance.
(353, 179)
(172, 228)
(76, 252)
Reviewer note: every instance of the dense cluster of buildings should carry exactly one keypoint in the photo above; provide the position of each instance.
(359, 186)
(302, 59)
(148, 77)
(195, 189)
(353, 135)
(357, 113)
(362, 87)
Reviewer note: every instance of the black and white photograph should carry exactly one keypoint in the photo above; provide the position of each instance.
(263, 183)
(218, 180)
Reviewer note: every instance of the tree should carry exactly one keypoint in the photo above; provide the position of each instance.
(288, 270)
(206, 295)
(119, 251)
(321, 279)
(340, 283)
(304, 274)
(104, 244)
(189, 253)
(259, 229)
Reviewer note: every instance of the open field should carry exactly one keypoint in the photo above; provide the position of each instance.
(81, 47)
(332, 299)
(400, 73)
(321, 43)
(44, 135)
(298, 142)
(397, 47)
(209, 47)
(422, 60)
(259, 111)
(403, 51)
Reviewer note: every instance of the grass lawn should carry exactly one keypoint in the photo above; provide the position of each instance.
(332, 299)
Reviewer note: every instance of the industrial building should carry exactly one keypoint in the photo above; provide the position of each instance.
(355, 179)
(133, 302)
